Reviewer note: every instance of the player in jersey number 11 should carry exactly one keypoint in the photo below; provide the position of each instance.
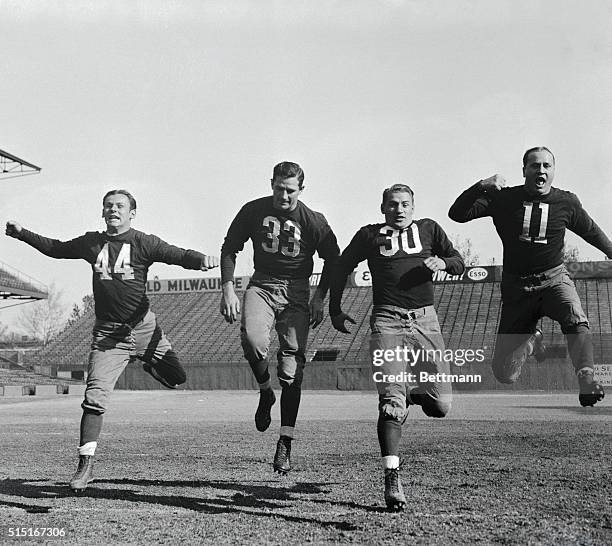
(531, 220)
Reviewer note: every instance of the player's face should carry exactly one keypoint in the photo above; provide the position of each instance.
(539, 172)
(398, 209)
(285, 193)
(117, 214)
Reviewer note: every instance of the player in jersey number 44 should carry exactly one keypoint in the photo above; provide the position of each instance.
(125, 327)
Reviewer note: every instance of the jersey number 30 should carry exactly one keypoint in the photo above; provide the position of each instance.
(397, 239)
(122, 264)
(291, 232)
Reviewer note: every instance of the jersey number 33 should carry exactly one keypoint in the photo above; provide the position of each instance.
(283, 236)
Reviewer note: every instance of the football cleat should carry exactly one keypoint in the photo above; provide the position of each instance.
(282, 457)
(531, 346)
(83, 475)
(394, 493)
(591, 392)
(262, 415)
(149, 368)
(539, 349)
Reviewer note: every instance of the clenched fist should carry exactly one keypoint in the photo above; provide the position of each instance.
(493, 183)
(209, 262)
(13, 229)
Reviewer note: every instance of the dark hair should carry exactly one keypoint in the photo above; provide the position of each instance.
(536, 149)
(121, 192)
(287, 169)
(397, 188)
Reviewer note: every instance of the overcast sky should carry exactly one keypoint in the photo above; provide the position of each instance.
(189, 104)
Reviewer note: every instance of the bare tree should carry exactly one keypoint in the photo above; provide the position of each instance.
(45, 318)
(87, 305)
(465, 247)
(570, 253)
(3, 332)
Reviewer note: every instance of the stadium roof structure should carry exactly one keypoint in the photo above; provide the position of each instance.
(12, 166)
(16, 285)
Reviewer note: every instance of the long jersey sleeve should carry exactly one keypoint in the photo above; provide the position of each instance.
(395, 259)
(471, 204)
(283, 242)
(532, 230)
(119, 266)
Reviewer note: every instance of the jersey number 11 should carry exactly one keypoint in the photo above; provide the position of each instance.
(527, 221)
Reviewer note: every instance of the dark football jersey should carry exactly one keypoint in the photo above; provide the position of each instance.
(283, 242)
(120, 265)
(532, 229)
(395, 259)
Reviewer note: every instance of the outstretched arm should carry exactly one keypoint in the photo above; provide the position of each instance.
(474, 202)
(49, 247)
(584, 226)
(174, 255)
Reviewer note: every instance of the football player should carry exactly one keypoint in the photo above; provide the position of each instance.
(285, 234)
(531, 220)
(125, 327)
(402, 254)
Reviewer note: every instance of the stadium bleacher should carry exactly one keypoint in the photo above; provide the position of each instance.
(23, 377)
(468, 311)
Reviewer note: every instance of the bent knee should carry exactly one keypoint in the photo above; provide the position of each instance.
(178, 377)
(255, 347)
(93, 404)
(437, 409)
(504, 378)
(575, 328)
(169, 367)
(285, 380)
(393, 411)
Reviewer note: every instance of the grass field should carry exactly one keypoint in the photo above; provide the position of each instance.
(189, 467)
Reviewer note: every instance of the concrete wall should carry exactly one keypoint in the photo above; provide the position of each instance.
(551, 375)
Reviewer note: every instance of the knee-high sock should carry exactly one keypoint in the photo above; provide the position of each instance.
(389, 436)
(260, 370)
(91, 425)
(290, 404)
(580, 346)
